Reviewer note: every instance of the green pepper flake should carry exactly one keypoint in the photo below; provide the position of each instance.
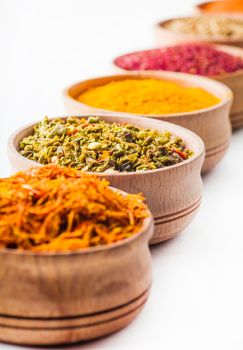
(97, 146)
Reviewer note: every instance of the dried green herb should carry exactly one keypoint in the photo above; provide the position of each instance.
(97, 146)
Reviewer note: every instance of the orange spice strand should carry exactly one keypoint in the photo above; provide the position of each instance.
(60, 209)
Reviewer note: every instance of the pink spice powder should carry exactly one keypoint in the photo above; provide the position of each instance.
(201, 59)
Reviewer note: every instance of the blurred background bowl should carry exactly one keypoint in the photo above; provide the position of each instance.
(202, 9)
(167, 37)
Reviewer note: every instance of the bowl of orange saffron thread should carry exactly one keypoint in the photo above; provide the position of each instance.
(74, 256)
(194, 102)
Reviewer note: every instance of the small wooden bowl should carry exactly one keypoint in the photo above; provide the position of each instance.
(173, 193)
(200, 9)
(167, 37)
(211, 124)
(233, 80)
(59, 298)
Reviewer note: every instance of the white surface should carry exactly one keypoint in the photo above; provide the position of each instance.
(196, 298)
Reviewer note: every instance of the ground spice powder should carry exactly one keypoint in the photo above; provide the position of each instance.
(223, 6)
(193, 58)
(147, 96)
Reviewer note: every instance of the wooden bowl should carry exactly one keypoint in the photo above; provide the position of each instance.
(166, 37)
(173, 193)
(200, 9)
(233, 80)
(59, 298)
(211, 124)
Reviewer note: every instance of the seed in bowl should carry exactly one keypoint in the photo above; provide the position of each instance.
(94, 145)
(193, 58)
(59, 209)
(208, 27)
(147, 96)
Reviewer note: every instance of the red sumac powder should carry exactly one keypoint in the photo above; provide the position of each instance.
(193, 58)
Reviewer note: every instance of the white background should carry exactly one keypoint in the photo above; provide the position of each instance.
(196, 299)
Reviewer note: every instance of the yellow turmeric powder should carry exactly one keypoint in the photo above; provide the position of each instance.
(147, 96)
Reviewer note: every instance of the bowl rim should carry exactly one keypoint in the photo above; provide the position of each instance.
(169, 75)
(199, 143)
(160, 26)
(231, 50)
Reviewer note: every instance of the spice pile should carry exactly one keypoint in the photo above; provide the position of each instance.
(97, 146)
(56, 209)
(147, 96)
(193, 58)
(208, 27)
(227, 6)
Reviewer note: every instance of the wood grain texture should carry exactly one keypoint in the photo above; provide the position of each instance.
(173, 193)
(50, 298)
(47, 334)
(233, 80)
(166, 37)
(211, 124)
